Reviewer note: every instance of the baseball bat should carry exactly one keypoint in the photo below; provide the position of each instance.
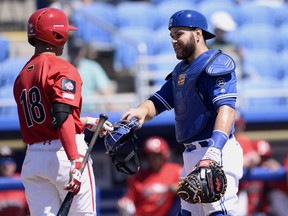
(66, 204)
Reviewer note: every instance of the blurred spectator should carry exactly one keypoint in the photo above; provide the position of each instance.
(223, 25)
(152, 191)
(251, 159)
(266, 184)
(257, 189)
(251, 156)
(12, 202)
(94, 77)
(263, 148)
(278, 197)
(274, 197)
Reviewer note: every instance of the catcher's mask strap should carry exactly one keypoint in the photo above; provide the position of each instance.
(122, 165)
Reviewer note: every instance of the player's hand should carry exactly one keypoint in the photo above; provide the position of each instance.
(126, 207)
(92, 123)
(206, 183)
(213, 154)
(75, 177)
(137, 113)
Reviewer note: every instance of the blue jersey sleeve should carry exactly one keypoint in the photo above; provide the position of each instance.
(222, 90)
(163, 99)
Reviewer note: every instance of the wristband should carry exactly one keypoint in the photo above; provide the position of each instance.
(92, 120)
(218, 139)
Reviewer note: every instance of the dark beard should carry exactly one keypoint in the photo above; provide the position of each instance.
(187, 50)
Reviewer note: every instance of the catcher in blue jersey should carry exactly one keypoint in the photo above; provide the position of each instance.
(202, 91)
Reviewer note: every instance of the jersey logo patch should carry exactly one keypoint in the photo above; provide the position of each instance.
(220, 81)
(181, 79)
(68, 85)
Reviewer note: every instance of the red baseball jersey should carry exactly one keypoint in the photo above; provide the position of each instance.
(143, 187)
(46, 79)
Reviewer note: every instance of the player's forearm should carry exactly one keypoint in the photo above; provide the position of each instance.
(149, 107)
(67, 134)
(225, 119)
(144, 112)
(89, 121)
(221, 132)
(84, 121)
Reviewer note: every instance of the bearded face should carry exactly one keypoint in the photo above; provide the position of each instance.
(188, 49)
(183, 43)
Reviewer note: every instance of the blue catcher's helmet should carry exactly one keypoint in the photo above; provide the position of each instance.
(121, 146)
(190, 19)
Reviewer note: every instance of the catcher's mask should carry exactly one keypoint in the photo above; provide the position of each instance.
(121, 146)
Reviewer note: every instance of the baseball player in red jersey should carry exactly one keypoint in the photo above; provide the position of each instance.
(272, 196)
(153, 190)
(48, 96)
(12, 201)
(279, 196)
(251, 158)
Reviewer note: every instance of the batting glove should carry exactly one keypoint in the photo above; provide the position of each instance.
(213, 154)
(75, 177)
(92, 123)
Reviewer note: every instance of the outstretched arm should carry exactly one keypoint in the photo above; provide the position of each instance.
(144, 112)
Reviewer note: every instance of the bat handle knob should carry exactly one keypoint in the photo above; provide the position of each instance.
(103, 116)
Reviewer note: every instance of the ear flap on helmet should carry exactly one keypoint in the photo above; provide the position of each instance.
(121, 146)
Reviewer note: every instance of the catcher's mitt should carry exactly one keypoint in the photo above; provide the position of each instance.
(205, 184)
